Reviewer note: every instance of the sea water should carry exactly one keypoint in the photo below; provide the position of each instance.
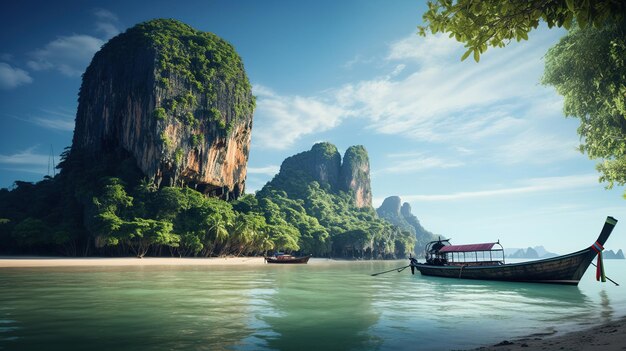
(324, 305)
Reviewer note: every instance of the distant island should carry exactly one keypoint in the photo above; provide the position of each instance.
(401, 216)
(539, 252)
(158, 165)
(612, 255)
(528, 253)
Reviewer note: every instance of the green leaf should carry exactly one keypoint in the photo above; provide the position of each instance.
(524, 35)
(476, 55)
(581, 18)
(567, 24)
(466, 54)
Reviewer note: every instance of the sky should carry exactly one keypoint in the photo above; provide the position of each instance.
(481, 151)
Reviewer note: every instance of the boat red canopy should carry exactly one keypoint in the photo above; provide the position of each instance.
(467, 248)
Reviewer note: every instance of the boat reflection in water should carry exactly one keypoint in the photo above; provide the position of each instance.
(462, 261)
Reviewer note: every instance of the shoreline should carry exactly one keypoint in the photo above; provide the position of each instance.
(607, 336)
(55, 261)
(43, 262)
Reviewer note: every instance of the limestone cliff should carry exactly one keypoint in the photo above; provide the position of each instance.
(390, 210)
(355, 175)
(174, 98)
(401, 216)
(323, 164)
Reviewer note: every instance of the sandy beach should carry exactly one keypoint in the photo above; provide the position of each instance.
(609, 336)
(28, 262)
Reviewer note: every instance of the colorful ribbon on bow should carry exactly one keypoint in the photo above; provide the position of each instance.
(597, 247)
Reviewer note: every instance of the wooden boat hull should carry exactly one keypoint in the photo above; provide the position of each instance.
(295, 260)
(566, 269)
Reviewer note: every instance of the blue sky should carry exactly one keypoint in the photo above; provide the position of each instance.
(480, 151)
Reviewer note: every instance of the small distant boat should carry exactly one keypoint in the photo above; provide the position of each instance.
(287, 259)
(486, 262)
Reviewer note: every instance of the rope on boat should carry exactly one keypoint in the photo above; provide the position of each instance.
(399, 269)
(611, 280)
(598, 248)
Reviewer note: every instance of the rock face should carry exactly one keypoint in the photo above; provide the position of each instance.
(390, 210)
(401, 216)
(355, 175)
(174, 98)
(323, 164)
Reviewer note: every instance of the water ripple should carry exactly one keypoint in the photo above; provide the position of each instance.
(323, 305)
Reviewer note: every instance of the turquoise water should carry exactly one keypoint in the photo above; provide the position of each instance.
(322, 305)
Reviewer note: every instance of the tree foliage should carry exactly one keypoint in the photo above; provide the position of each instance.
(480, 24)
(328, 220)
(111, 210)
(588, 68)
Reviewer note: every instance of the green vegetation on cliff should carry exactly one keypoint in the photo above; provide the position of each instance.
(401, 216)
(304, 186)
(177, 99)
(206, 63)
(113, 210)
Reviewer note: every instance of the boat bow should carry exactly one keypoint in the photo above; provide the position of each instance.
(565, 269)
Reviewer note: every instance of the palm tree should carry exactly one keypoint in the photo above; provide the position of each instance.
(216, 234)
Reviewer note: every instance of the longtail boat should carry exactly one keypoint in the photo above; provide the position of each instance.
(483, 261)
(287, 259)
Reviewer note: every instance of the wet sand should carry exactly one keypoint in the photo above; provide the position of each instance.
(607, 337)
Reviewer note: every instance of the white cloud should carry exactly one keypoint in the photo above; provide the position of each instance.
(55, 123)
(415, 162)
(399, 68)
(11, 77)
(28, 161)
(436, 99)
(105, 15)
(463, 150)
(281, 120)
(534, 185)
(70, 55)
(536, 147)
(59, 119)
(107, 22)
(267, 170)
(358, 59)
(443, 98)
(25, 157)
(429, 48)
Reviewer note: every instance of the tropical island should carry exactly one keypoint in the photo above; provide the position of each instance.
(158, 164)
(159, 169)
